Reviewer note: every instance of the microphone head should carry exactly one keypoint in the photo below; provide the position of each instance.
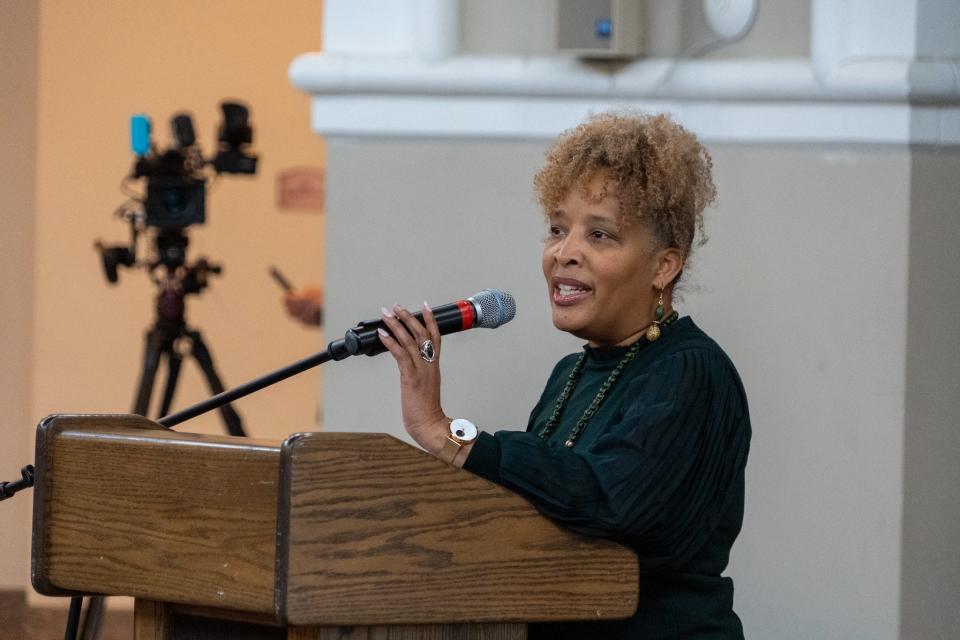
(494, 308)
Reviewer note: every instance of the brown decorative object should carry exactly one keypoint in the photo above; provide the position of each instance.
(333, 535)
(302, 188)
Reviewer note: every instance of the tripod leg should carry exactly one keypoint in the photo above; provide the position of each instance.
(90, 629)
(153, 347)
(199, 350)
(173, 372)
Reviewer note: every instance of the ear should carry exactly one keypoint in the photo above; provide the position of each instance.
(668, 263)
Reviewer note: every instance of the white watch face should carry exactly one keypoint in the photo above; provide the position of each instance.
(463, 430)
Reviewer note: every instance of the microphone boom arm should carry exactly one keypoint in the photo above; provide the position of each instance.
(489, 309)
(334, 351)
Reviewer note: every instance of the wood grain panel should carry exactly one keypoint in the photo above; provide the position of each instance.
(376, 532)
(127, 507)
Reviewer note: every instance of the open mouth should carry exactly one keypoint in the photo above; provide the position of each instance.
(568, 292)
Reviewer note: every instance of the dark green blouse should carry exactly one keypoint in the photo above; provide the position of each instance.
(660, 468)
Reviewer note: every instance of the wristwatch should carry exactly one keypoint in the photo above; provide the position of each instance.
(462, 432)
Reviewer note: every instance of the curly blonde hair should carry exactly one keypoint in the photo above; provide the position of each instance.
(659, 171)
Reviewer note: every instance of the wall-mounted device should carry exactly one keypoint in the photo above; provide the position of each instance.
(599, 28)
(730, 19)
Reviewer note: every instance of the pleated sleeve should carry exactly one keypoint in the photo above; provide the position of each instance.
(657, 477)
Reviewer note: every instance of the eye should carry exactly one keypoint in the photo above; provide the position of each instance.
(554, 231)
(600, 234)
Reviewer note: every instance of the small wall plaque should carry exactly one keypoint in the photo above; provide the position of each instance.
(301, 189)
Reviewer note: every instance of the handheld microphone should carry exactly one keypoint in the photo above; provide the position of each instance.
(488, 309)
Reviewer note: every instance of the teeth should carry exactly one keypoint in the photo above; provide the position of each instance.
(567, 290)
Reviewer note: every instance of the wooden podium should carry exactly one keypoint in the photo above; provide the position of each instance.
(326, 535)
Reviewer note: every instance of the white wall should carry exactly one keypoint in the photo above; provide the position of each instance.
(804, 282)
(931, 512)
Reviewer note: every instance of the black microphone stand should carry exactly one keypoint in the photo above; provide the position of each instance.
(360, 340)
(335, 351)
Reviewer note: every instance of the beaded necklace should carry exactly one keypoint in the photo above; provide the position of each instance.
(574, 377)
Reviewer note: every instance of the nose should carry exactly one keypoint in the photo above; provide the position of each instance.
(569, 252)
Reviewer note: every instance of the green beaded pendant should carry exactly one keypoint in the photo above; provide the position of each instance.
(652, 333)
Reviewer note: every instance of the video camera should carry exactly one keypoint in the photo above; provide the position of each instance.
(176, 185)
(176, 182)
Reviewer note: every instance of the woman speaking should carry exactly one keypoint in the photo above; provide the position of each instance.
(643, 436)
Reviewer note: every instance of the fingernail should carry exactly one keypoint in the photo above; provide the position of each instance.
(397, 308)
(383, 334)
(426, 306)
(386, 312)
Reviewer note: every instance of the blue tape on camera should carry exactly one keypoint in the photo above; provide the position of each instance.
(140, 134)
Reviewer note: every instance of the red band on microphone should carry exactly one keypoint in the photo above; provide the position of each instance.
(467, 313)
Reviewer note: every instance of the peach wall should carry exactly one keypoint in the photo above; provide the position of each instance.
(99, 62)
(18, 121)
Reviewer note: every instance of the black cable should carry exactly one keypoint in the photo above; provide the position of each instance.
(7, 489)
(73, 618)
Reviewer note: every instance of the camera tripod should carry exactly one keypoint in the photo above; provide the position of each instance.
(174, 198)
(165, 340)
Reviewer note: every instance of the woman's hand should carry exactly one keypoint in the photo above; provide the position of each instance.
(423, 418)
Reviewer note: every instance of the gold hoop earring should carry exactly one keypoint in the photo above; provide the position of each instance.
(653, 331)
